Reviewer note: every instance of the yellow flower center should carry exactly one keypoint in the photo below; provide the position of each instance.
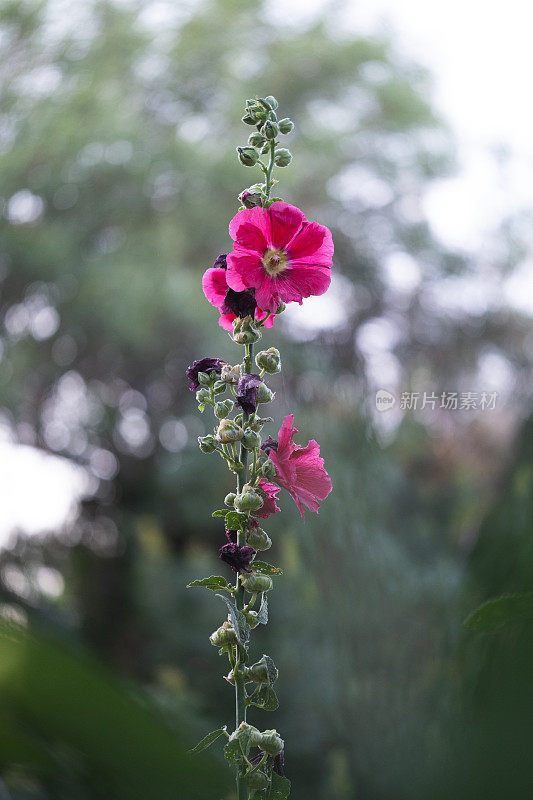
(275, 261)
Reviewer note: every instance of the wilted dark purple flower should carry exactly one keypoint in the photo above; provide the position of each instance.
(202, 365)
(269, 444)
(242, 304)
(247, 392)
(278, 764)
(236, 556)
(220, 262)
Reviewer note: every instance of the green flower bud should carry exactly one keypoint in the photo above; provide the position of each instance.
(245, 331)
(254, 583)
(271, 100)
(256, 780)
(282, 157)
(251, 199)
(248, 119)
(265, 149)
(229, 499)
(271, 742)
(204, 379)
(208, 444)
(251, 439)
(264, 395)
(230, 374)
(228, 432)
(258, 539)
(269, 360)
(223, 635)
(286, 125)
(256, 139)
(261, 673)
(268, 470)
(280, 309)
(248, 156)
(223, 408)
(248, 499)
(236, 466)
(203, 395)
(270, 129)
(257, 424)
(219, 387)
(251, 619)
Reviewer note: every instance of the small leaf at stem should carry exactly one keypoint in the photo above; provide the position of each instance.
(280, 788)
(242, 629)
(236, 521)
(214, 582)
(208, 740)
(221, 512)
(262, 616)
(266, 569)
(264, 698)
(495, 614)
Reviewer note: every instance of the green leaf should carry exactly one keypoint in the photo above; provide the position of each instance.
(495, 614)
(233, 753)
(280, 788)
(201, 408)
(242, 629)
(264, 698)
(265, 569)
(262, 616)
(221, 512)
(272, 670)
(208, 740)
(214, 582)
(236, 521)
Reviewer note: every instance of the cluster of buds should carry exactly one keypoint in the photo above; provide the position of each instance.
(261, 113)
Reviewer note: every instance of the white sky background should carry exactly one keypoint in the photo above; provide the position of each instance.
(482, 60)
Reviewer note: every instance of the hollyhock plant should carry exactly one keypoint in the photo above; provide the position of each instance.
(300, 470)
(230, 303)
(278, 257)
(280, 254)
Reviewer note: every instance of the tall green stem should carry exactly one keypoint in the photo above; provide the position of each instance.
(268, 183)
(240, 694)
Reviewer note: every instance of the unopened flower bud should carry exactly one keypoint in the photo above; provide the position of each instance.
(254, 583)
(223, 635)
(268, 470)
(251, 619)
(264, 395)
(205, 379)
(271, 742)
(282, 157)
(251, 439)
(251, 199)
(260, 672)
(256, 139)
(229, 499)
(248, 156)
(248, 499)
(223, 408)
(269, 360)
(203, 395)
(270, 129)
(228, 432)
(208, 444)
(286, 125)
(245, 331)
(248, 119)
(257, 538)
(271, 100)
(230, 374)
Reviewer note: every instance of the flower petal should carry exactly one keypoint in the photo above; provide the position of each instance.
(215, 286)
(226, 321)
(302, 281)
(313, 244)
(245, 269)
(250, 228)
(285, 221)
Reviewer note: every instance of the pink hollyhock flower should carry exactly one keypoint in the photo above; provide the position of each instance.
(268, 492)
(300, 470)
(280, 254)
(230, 303)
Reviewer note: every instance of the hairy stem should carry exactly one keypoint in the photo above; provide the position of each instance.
(240, 693)
(268, 184)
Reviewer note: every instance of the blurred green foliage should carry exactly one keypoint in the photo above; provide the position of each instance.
(118, 177)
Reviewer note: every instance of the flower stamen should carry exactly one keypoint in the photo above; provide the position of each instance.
(275, 261)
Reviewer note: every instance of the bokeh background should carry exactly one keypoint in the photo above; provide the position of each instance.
(117, 179)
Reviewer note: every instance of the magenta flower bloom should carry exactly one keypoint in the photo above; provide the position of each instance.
(268, 492)
(247, 392)
(237, 557)
(230, 303)
(280, 254)
(300, 470)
